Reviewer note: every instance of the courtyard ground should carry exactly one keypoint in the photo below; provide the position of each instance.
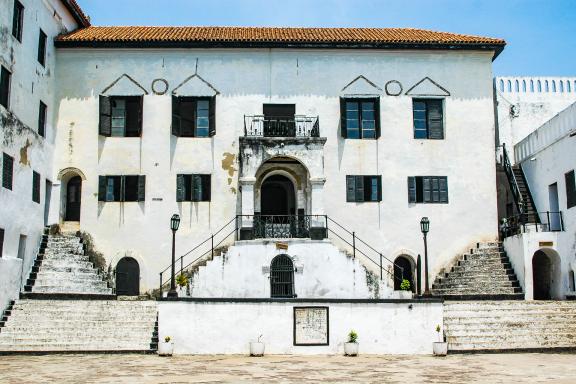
(120, 368)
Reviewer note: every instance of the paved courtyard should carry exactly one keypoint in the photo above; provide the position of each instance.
(490, 368)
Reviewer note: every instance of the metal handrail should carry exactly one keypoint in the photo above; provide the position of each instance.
(516, 224)
(520, 203)
(281, 126)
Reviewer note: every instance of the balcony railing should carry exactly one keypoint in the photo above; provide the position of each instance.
(522, 223)
(282, 226)
(290, 126)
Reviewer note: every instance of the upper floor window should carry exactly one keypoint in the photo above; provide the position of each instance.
(122, 188)
(193, 188)
(193, 116)
(360, 118)
(120, 116)
(42, 109)
(1, 241)
(5, 76)
(42, 48)
(18, 20)
(363, 188)
(428, 189)
(35, 187)
(7, 171)
(428, 118)
(570, 189)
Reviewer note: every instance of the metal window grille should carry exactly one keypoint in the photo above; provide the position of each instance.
(282, 277)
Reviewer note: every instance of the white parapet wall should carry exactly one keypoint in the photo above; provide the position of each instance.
(227, 326)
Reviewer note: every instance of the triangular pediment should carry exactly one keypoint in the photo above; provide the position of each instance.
(195, 85)
(124, 86)
(427, 87)
(361, 86)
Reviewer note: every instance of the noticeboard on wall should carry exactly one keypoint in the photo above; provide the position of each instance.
(311, 326)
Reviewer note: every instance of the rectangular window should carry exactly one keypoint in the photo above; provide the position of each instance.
(193, 116)
(42, 39)
(35, 187)
(7, 171)
(363, 188)
(570, 189)
(428, 189)
(18, 20)
(122, 188)
(5, 76)
(42, 110)
(428, 119)
(360, 118)
(1, 242)
(193, 187)
(22, 247)
(120, 116)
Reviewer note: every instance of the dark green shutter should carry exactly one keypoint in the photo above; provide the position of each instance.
(350, 188)
(379, 187)
(141, 187)
(122, 188)
(180, 188)
(443, 181)
(101, 188)
(207, 187)
(377, 116)
(196, 187)
(426, 193)
(359, 188)
(140, 114)
(343, 125)
(212, 116)
(411, 189)
(435, 119)
(176, 119)
(105, 122)
(570, 181)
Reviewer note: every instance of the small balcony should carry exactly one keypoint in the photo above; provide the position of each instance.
(298, 126)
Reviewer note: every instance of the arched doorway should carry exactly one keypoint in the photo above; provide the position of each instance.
(277, 196)
(541, 276)
(73, 199)
(404, 269)
(282, 277)
(127, 277)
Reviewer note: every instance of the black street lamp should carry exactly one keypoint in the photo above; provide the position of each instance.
(425, 227)
(174, 224)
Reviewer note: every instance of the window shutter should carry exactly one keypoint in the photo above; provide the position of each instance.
(570, 181)
(140, 114)
(411, 189)
(122, 187)
(359, 188)
(180, 188)
(176, 119)
(350, 188)
(343, 127)
(196, 187)
(377, 116)
(443, 181)
(435, 120)
(101, 188)
(379, 187)
(427, 196)
(141, 187)
(207, 181)
(105, 123)
(212, 116)
(7, 171)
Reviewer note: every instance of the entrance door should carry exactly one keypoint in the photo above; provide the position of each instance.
(403, 270)
(73, 197)
(554, 207)
(541, 276)
(277, 196)
(127, 277)
(282, 277)
(47, 197)
(279, 120)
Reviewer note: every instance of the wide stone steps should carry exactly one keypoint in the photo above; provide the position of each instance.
(95, 346)
(71, 289)
(63, 264)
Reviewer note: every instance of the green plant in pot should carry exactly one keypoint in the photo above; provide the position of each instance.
(405, 289)
(351, 346)
(166, 347)
(440, 347)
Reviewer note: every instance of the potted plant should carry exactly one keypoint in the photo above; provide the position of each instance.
(405, 289)
(182, 281)
(257, 347)
(351, 347)
(166, 347)
(440, 347)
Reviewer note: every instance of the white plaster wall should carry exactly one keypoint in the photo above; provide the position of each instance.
(383, 328)
(30, 83)
(314, 81)
(322, 271)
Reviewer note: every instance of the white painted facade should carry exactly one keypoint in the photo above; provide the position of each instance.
(314, 80)
(233, 325)
(31, 82)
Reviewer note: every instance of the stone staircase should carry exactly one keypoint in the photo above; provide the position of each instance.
(485, 273)
(491, 326)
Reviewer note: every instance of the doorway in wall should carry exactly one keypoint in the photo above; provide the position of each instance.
(73, 199)
(47, 197)
(282, 277)
(403, 269)
(554, 215)
(22, 247)
(279, 120)
(541, 276)
(127, 277)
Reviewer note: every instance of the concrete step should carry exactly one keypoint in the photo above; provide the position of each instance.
(72, 289)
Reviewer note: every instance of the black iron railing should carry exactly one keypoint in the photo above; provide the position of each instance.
(518, 198)
(517, 224)
(282, 226)
(289, 126)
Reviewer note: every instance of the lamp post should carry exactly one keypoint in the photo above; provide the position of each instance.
(174, 224)
(425, 227)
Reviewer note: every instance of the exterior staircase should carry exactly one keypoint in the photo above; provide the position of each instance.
(492, 326)
(66, 306)
(530, 211)
(485, 273)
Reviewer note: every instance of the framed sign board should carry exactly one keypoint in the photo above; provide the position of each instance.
(311, 326)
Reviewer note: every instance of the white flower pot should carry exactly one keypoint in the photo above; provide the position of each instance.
(165, 348)
(351, 349)
(256, 348)
(440, 348)
(405, 295)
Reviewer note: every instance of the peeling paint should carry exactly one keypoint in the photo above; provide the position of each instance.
(24, 153)
(233, 190)
(228, 163)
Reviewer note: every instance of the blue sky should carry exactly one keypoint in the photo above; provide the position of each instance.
(541, 34)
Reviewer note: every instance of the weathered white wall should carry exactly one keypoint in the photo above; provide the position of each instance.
(313, 80)
(31, 82)
(383, 328)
